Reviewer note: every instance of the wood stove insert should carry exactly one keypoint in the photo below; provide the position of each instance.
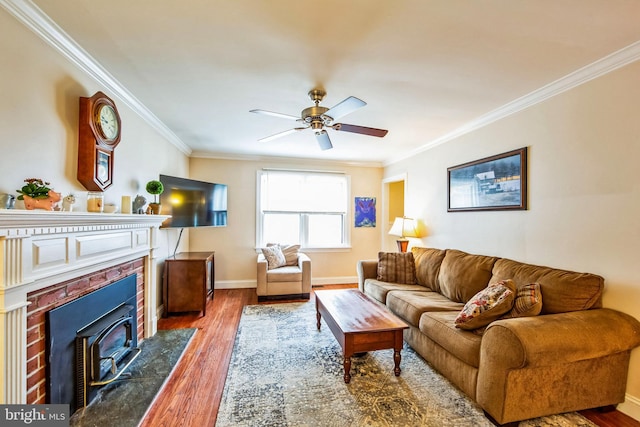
(90, 342)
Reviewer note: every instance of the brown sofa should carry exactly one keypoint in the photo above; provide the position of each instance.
(573, 356)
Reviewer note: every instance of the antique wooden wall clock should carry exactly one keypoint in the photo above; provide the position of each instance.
(98, 135)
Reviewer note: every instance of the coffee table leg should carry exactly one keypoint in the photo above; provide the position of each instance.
(347, 369)
(396, 361)
(318, 319)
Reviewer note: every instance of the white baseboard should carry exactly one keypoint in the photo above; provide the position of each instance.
(345, 280)
(630, 407)
(235, 284)
(316, 281)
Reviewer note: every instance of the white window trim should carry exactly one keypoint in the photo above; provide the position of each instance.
(348, 214)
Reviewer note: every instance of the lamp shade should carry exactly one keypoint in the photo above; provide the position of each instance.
(404, 227)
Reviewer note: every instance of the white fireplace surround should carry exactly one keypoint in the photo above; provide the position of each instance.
(41, 248)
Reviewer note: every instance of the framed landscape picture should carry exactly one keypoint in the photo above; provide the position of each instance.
(494, 183)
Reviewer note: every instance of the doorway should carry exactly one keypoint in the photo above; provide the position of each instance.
(393, 196)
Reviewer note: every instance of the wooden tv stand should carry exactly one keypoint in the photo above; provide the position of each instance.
(188, 280)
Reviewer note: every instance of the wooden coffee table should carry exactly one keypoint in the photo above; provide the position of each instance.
(360, 324)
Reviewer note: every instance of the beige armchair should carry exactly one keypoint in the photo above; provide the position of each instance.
(287, 282)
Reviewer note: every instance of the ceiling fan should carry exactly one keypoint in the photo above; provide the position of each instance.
(319, 118)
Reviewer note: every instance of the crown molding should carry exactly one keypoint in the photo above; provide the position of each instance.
(298, 160)
(37, 21)
(609, 63)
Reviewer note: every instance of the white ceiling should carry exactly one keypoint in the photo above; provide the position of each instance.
(427, 69)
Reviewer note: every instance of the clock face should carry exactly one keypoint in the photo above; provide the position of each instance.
(108, 121)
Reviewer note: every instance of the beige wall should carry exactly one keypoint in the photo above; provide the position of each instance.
(235, 245)
(39, 91)
(584, 191)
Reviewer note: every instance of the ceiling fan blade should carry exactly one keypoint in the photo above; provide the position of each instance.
(280, 134)
(323, 140)
(271, 113)
(345, 107)
(360, 129)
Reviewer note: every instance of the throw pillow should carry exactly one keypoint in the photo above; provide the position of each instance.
(275, 257)
(487, 305)
(528, 302)
(397, 267)
(290, 254)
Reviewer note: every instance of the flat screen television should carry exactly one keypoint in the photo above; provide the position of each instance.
(193, 203)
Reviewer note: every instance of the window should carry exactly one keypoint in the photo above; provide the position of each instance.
(306, 208)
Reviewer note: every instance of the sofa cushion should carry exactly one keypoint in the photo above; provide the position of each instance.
(562, 290)
(528, 302)
(397, 267)
(274, 256)
(409, 305)
(463, 275)
(428, 261)
(439, 326)
(379, 290)
(288, 273)
(487, 305)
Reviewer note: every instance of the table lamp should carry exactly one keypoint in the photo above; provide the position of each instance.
(404, 227)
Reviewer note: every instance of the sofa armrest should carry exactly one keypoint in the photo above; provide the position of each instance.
(304, 262)
(544, 352)
(261, 288)
(367, 269)
(558, 338)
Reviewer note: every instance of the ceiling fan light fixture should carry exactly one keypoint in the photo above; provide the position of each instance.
(317, 118)
(316, 95)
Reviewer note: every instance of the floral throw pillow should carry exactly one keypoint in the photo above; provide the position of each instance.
(487, 305)
(275, 257)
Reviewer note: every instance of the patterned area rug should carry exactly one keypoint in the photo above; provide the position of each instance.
(284, 372)
(125, 402)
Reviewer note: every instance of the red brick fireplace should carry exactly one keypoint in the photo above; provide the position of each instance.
(54, 296)
(50, 258)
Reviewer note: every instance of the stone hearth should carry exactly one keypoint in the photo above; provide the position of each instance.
(47, 256)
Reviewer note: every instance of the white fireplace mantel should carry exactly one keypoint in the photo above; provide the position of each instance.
(41, 248)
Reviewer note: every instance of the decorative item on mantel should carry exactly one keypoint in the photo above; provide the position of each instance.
(68, 202)
(36, 194)
(111, 208)
(95, 201)
(126, 205)
(154, 188)
(404, 227)
(138, 204)
(7, 201)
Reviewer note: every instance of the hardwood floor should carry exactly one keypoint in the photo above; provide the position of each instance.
(191, 396)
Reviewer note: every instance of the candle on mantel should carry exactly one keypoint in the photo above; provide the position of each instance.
(126, 205)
